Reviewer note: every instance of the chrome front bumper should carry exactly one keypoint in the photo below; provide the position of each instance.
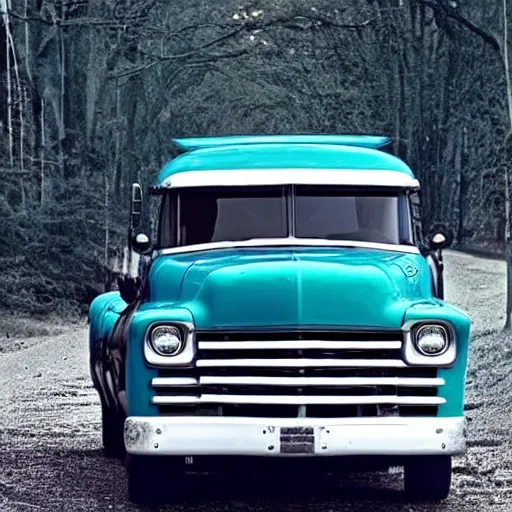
(188, 436)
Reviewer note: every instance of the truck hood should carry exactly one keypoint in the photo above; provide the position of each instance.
(352, 288)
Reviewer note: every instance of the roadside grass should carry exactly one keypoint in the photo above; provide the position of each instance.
(18, 327)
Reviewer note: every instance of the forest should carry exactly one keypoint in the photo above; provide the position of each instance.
(93, 91)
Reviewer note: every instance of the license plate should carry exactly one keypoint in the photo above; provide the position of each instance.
(297, 440)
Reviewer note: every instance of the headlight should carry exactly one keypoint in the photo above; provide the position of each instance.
(431, 340)
(166, 340)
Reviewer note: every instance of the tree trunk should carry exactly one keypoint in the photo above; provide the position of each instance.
(5, 10)
(107, 223)
(42, 153)
(131, 168)
(62, 118)
(117, 159)
(508, 237)
(508, 155)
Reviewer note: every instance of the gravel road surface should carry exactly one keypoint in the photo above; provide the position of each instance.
(50, 441)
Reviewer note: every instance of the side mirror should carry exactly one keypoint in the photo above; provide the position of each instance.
(439, 237)
(140, 243)
(136, 207)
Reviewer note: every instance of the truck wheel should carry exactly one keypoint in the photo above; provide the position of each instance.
(112, 425)
(154, 479)
(428, 478)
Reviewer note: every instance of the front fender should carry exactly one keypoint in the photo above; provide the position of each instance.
(454, 388)
(103, 315)
(138, 373)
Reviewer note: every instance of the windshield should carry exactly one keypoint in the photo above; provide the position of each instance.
(219, 215)
(320, 213)
(204, 215)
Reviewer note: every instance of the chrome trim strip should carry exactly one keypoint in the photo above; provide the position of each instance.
(301, 363)
(299, 400)
(170, 382)
(322, 381)
(289, 176)
(298, 345)
(288, 242)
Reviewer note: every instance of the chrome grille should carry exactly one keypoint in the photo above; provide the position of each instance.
(312, 374)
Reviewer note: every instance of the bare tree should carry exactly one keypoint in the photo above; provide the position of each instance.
(508, 184)
(93, 92)
(4, 5)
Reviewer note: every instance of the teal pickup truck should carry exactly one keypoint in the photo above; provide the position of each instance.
(288, 307)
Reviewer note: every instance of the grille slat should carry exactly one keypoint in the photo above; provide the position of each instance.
(301, 363)
(299, 344)
(295, 381)
(171, 382)
(287, 374)
(299, 400)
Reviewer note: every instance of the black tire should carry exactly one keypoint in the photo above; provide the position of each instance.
(428, 478)
(112, 425)
(154, 480)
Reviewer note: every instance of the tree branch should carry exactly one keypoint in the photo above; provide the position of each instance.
(305, 22)
(19, 17)
(209, 44)
(67, 23)
(207, 59)
(454, 15)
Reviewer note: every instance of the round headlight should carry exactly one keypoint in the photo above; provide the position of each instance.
(432, 340)
(166, 340)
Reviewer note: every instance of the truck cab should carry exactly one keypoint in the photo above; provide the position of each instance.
(288, 306)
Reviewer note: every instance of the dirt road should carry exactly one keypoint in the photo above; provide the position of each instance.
(50, 442)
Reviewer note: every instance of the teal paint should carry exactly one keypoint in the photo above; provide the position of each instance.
(362, 141)
(252, 288)
(103, 313)
(276, 288)
(454, 388)
(284, 288)
(138, 374)
(282, 156)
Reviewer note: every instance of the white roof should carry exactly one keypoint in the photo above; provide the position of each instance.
(262, 177)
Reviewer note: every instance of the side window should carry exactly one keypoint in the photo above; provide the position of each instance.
(165, 231)
(416, 217)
